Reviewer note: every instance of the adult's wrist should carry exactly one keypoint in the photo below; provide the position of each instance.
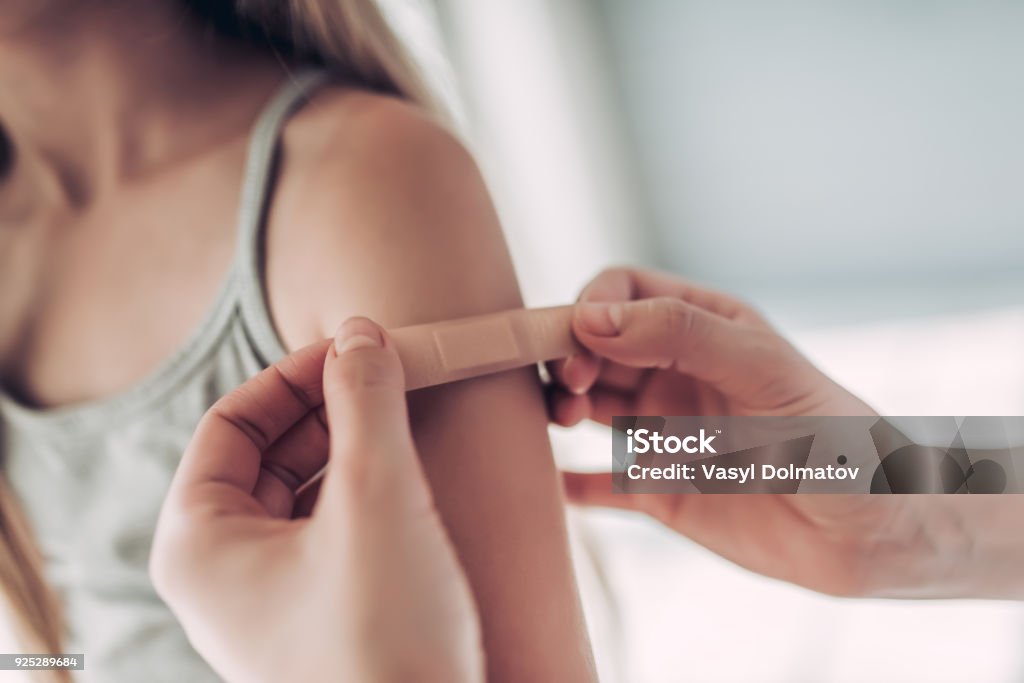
(954, 546)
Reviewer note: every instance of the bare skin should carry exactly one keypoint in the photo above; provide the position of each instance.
(377, 212)
(662, 346)
(126, 188)
(378, 573)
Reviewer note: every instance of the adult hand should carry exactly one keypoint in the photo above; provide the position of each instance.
(354, 578)
(662, 346)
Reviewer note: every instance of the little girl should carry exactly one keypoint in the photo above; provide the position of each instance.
(187, 192)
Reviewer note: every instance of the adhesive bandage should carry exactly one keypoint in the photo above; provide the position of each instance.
(438, 353)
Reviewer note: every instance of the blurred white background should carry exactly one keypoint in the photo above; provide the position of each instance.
(855, 170)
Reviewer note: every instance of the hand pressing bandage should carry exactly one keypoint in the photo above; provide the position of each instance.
(438, 353)
(369, 539)
(269, 500)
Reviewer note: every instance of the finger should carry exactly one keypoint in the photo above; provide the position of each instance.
(602, 404)
(222, 462)
(577, 373)
(599, 405)
(291, 462)
(626, 284)
(596, 490)
(566, 409)
(306, 497)
(606, 404)
(620, 377)
(364, 395)
(302, 451)
(670, 333)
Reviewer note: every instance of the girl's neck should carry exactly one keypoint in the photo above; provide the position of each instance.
(96, 93)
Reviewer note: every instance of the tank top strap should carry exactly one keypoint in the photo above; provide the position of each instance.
(257, 189)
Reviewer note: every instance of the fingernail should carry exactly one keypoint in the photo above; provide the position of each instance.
(357, 333)
(600, 319)
(572, 383)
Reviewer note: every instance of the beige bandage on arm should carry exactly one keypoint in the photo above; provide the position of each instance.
(438, 353)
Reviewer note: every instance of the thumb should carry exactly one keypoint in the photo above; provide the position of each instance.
(364, 399)
(668, 332)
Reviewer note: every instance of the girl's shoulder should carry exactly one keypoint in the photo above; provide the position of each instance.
(379, 210)
(342, 125)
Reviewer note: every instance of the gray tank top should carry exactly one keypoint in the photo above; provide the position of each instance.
(91, 477)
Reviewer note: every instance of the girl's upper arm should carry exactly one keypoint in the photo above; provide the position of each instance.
(381, 213)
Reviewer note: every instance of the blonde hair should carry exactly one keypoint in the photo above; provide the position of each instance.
(352, 39)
